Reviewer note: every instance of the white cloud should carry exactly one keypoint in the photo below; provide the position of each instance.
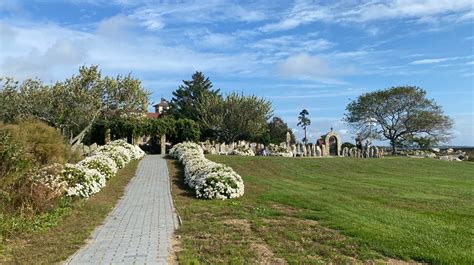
(303, 12)
(318, 94)
(396, 9)
(439, 60)
(430, 61)
(291, 44)
(425, 11)
(155, 16)
(305, 66)
(149, 18)
(59, 55)
(115, 27)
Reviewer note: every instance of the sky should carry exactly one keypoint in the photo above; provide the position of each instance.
(317, 55)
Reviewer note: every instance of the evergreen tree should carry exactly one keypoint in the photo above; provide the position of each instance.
(277, 130)
(187, 97)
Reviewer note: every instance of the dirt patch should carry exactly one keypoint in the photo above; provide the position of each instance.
(258, 245)
(265, 255)
(238, 223)
(175, 248)
(288, 210)
(391, 262)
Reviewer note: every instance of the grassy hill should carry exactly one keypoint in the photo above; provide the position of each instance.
(333, 209)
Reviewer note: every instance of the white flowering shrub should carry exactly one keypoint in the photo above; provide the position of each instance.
(102, 163)
(209, 180)
(49, 178)
(242, 151)
(276, 150)
(82, 181)
(89, 175)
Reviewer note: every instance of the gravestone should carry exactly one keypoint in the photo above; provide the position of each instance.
(318, 151)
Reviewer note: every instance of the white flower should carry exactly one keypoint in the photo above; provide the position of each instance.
(209, 180)
(89, 175)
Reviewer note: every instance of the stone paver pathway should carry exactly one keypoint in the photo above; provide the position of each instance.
(139, 229)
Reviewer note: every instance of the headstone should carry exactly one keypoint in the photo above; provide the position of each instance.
(288, 138)
(223, 149)
(304, 150)
(85, 149)
(93, 147)
(318, 151)
(323, 150)
(293, 150)
(253, 147)
(376, 152)
(345, 151)
(212, 150)
(312, 150)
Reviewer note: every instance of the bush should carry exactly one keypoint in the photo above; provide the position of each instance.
(101, 163)
(26, 149)
(209, 180)
(14, 160)
(348, 145)
(41, 190)
(89, 176)
(44, 143)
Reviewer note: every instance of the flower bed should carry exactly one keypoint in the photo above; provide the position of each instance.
(242, 151)
(89, 175)
(209, 180)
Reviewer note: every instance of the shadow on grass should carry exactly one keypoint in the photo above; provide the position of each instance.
(176, 171)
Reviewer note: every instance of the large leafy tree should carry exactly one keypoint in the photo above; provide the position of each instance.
(398, 114)
(277, 130)
(235, 117)
(304, 122)
(188, 96)
(72, 106)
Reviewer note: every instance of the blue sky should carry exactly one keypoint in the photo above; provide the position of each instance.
(299, 54)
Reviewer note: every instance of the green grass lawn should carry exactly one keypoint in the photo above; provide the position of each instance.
(342, 210)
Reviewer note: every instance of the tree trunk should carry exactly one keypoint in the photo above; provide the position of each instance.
(305, 139)
(394, 147)
(78, 139)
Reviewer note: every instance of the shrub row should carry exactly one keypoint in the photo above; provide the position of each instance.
(90, 175)
(209, 180)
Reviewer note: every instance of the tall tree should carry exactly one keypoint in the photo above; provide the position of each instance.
(398, 114)
(187, 97)
(72, 106)
(277, 130)
(236, 117)
(304, 122)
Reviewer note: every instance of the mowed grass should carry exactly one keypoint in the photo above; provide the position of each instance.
(339, 210)
(71, 228)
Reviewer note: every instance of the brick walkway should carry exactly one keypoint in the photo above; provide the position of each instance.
(139, 229)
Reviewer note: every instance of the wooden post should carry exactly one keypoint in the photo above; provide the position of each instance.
(163, 144)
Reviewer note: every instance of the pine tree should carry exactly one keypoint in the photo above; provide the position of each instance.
(304, 122)
(186, 98)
